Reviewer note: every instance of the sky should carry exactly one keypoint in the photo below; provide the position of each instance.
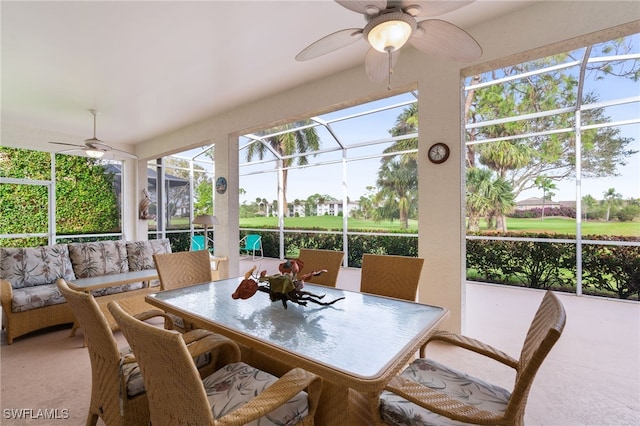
(328, 179)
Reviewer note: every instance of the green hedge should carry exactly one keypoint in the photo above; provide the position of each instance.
(358, 244)
(609, 270)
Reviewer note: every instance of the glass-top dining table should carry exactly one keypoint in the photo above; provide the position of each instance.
(356, 344)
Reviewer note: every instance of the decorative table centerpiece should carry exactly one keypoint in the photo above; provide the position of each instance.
(285, 286)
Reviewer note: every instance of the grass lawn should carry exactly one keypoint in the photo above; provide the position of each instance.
(561, 225)
(333, 223)
(552, 225)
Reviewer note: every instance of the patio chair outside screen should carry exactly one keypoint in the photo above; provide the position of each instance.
(252, 244)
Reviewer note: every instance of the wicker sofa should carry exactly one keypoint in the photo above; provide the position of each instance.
(28, 292)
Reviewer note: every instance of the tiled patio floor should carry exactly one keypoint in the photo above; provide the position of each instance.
(591, 377)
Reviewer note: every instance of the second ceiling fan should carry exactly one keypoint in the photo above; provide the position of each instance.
(390, 25)
(94, 147)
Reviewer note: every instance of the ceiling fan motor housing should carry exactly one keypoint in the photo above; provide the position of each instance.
(388, 32)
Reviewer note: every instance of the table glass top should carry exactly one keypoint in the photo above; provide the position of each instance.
(114, 279)
(360, 335)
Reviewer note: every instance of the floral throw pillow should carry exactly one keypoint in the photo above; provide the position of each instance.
(98, 258)
(140, 253)
(28, 267)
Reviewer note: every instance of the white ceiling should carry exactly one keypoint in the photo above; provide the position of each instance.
(151, 67)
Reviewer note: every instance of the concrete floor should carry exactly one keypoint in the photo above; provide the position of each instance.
(591, 377)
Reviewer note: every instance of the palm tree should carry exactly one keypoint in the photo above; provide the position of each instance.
(588, 202)
(397, 195)
(546, 184)
(286, 144)
(406, 122)
(502, 199)
(477, 201)
(487, 197)
(611, 198)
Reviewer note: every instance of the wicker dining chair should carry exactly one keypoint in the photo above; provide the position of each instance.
(391, 276)
(428, 392)
(236, 394)
(317, 260)
(182, 269)
(115, 371)
(111, 370)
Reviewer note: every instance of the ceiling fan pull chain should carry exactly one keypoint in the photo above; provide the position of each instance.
(390, 70)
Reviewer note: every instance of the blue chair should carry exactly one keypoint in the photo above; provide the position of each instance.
(197, 242)
(251, 243)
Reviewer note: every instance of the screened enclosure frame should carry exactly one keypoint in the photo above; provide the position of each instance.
(578, 110)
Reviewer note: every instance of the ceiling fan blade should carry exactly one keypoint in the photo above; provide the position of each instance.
(97, 144)
(376, 64)
(330, 43)
(366, 7)
(69, 151)
(432, 7)
(118, 154)
(445, 39)
(67, 144)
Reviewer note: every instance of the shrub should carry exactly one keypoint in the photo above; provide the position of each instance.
(612, 269)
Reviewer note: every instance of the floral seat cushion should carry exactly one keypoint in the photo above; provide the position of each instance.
(470, 390)
(99, 258)
(27, 298)
(132, 376)
(235, 384)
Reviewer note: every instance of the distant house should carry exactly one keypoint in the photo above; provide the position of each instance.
(333, 208)
(297, 210)
(536, 203)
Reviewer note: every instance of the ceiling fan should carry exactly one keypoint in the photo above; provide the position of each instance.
(390, 24)
(94, 147)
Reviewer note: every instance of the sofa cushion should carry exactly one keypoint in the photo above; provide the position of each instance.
(140, 253)
(27, 298)
(34, 266)
(98, 258)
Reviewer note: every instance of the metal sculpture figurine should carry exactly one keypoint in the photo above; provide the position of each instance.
(285, 286)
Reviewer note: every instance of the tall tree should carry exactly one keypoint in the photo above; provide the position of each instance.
(487, 197)
(397, 196)
(477, 200)
(546, 185)
(285, 145)
(588, 203)
(553, 154)
(611, 198)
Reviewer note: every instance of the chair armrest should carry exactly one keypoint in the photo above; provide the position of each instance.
(6, 294)
(212, 342)
(440, 403)
(221, 350)
(193, 335)
(473, 345)
(285, 388)
(146, 315)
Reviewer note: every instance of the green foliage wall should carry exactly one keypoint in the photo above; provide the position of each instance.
(85, 197)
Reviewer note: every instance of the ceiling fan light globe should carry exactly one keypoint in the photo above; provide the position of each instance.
(390, 31)
(94, 153)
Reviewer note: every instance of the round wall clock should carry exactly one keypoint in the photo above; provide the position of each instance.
(221, 185)
(438, 153)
